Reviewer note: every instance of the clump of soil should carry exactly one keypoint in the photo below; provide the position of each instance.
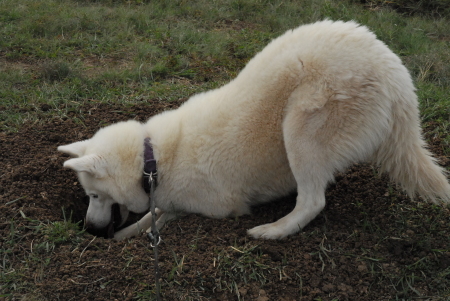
(370, 243)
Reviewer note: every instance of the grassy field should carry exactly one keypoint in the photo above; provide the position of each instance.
(58, 55)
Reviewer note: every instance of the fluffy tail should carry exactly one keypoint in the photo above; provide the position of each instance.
(404, 157)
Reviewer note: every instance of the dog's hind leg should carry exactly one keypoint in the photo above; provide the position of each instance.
(312, 176)
(320, 142)
(309, 204)
(308, 162)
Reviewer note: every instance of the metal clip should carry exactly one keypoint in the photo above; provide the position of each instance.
(152, 239)
(153, 236)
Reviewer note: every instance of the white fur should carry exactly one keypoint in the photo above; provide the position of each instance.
(314, 101)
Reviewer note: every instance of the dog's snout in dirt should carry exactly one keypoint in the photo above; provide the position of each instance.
(108, 231)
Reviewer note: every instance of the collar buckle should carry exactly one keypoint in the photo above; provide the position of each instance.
(150, 171)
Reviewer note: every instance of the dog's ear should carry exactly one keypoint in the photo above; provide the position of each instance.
(93, 164)
(76, 149)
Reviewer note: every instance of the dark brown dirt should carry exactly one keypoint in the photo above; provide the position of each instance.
(370, 243)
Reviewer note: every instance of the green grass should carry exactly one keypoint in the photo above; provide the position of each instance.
(61, 231)
(242, 264)
(63, 52)
(35, 257)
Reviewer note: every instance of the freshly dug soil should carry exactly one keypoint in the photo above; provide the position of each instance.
(370, 243)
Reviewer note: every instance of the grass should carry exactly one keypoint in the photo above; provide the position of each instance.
(36, 257)
(63, 52)
(61, 231)
(233, 267)
(242, 264)
(58, 55)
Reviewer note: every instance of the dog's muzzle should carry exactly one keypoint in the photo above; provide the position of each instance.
(108, 231)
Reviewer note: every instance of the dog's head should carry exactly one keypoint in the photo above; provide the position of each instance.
(109, 167)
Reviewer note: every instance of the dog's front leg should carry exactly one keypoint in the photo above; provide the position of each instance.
(162, 219)
(142, 225)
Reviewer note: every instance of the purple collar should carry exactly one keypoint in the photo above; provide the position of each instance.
(149, 165)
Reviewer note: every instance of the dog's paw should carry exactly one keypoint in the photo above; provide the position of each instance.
(268, 231)
(127, 232)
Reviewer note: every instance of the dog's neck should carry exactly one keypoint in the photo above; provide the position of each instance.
(149, 164)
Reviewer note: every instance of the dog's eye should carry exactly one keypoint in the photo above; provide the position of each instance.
(95, 196)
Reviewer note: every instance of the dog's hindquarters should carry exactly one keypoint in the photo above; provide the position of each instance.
(379, 122)
(321, 140)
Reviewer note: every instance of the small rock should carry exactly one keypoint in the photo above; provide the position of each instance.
(362, 267)
(410, 232)
(262, 296)
(243, 291)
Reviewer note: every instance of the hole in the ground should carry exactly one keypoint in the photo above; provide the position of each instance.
(76, 208)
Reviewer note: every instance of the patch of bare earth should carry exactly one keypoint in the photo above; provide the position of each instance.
(360, 248)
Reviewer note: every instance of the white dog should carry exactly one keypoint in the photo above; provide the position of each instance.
(314, 101)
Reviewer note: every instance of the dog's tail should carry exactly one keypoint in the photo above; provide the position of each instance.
(404, 157)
